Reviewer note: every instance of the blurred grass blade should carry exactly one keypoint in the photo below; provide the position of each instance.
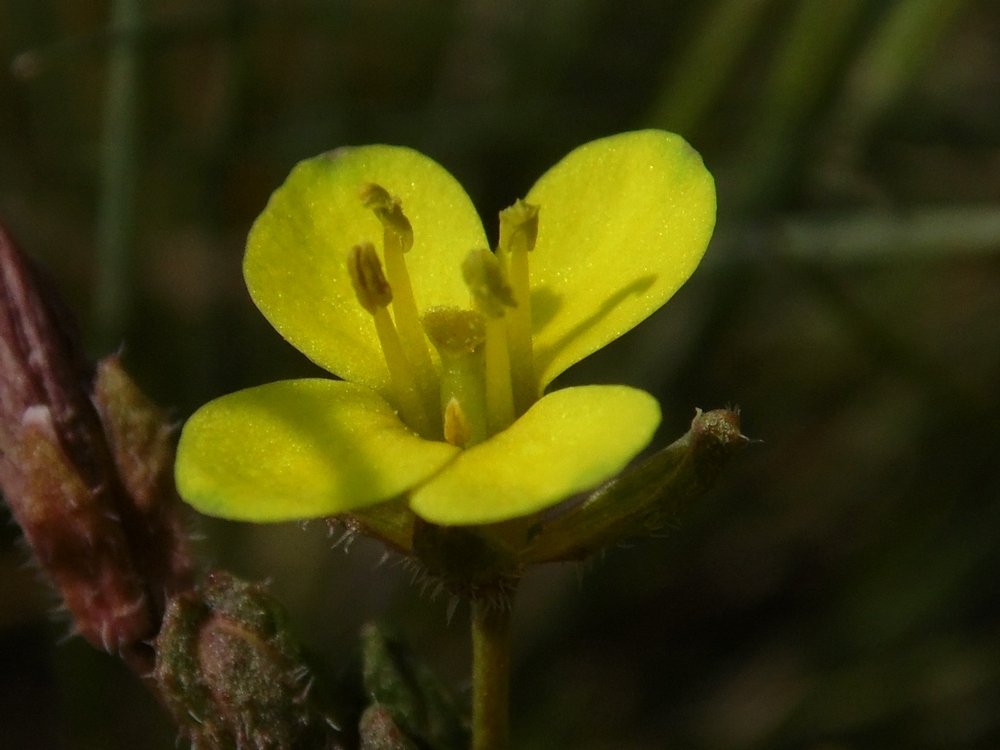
(116, 215)
(695, 83)
(799, 77)
(897, 52)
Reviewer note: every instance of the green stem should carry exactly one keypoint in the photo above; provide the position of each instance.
(491, 626)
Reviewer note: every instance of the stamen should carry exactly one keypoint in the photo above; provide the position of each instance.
(458, 336)
(457, 429)
(518, 231)
(397, 238)
(492, 296)
(374, 293)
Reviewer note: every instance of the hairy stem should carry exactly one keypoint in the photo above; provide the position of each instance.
(491, 627)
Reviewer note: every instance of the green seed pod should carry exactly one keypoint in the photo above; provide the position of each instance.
(645, 498)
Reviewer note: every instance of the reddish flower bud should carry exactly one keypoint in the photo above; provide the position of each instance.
(90, 486)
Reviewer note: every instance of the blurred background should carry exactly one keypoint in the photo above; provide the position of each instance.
(837, 590)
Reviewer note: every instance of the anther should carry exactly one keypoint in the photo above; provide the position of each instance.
(457, 429)
(518, 232)
(519, 227)
(389, 211)
(487, 282)
(370, 284)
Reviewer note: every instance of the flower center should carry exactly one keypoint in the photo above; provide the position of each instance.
(487, 378)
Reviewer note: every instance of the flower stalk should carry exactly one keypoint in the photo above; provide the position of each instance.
(491, 644)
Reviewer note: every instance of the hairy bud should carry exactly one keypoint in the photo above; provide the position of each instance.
(379, 732)
(90, 489)
(233, 675)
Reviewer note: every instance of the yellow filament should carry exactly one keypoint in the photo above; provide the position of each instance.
(411, 407)
(518, 230)
(374, 294)
(522, 360)
(397, 238)
(492, 296)
(499, 396)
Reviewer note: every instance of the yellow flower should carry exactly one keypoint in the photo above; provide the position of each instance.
(443, 401)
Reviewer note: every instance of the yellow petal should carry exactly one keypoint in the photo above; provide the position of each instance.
(623, 221)
(299, 449)
(569, 441)
(296, 258)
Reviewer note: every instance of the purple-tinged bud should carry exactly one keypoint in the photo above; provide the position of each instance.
(105, 532)
(380, 732)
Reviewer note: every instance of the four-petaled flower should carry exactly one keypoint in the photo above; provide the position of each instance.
(445, 348)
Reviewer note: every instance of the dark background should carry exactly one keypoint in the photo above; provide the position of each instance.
(837, 590)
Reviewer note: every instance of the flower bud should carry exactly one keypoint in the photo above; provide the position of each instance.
(409, 701)
(232, 674)
(379, 732)
(90, 488)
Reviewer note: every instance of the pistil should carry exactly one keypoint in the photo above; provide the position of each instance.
(375, 294)
(492, 295)
(397, 238)
(518, 231)
(458, 336)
